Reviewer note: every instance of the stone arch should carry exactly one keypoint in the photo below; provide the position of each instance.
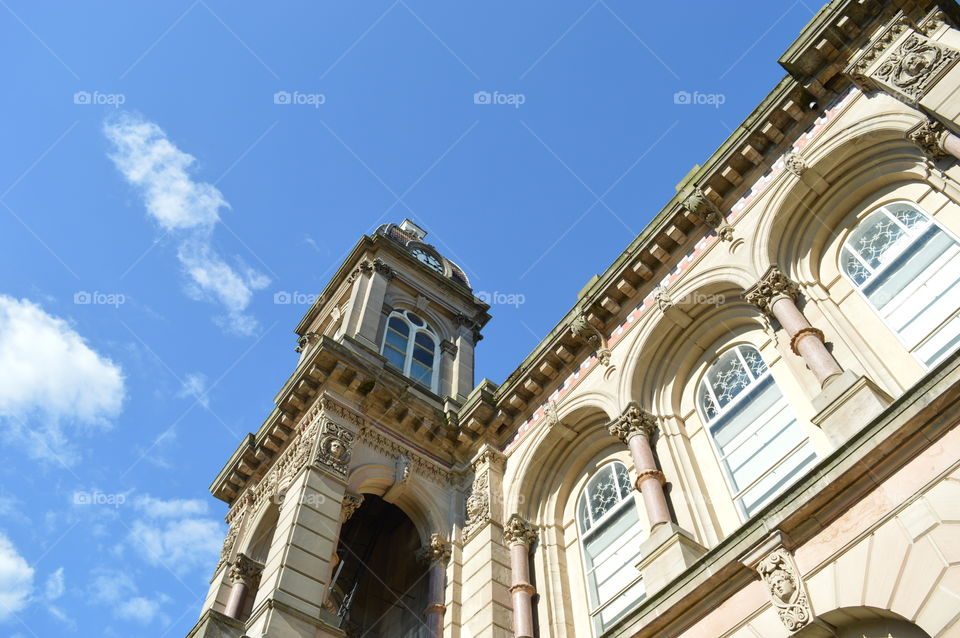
(863, 622)
(400, 300)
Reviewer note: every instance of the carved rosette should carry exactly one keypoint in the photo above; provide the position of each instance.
(633, 422)
(333, 452)
(588, 333)
(700, 205)
(773, 286)
(351, 503)
(794, 163)
(929, 136)
(517, 531)
(437, 551)
(786, 589)
(246, 570)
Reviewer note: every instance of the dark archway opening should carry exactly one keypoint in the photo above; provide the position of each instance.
(380, 588)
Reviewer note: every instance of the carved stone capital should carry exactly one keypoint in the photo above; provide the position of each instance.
(246, 570)
(448, 347)
(773, 286)
(379, 266)
(929, 135)
(633, 422)
(786, 589)
(351, 503)
(517, 531)
(334, 450)
(589, 334)
(436, 551)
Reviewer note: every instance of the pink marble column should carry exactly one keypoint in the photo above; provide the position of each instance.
(636, 428)
(245, 576)
(935, 139)
(776, 296)
(519, 536)
(436, 555)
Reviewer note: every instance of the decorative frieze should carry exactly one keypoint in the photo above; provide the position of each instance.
(786, 589)
(246, 570)
(634, 421)
(518, 531)
(773, 286)
(334, 449)
(437, 551)
(387, 446)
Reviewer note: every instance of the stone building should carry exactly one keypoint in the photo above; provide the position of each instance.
(745, 427)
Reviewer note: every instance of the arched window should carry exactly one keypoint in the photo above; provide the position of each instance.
(761, 446)
(610, 534)
(909, 270)
(410, 345)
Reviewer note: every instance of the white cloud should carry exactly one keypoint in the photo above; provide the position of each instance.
(54, 587)
(117, 590)
(195, 387)
(16, 580)
(176, 534)
(49, 372)
(190, 209)
(145, 611)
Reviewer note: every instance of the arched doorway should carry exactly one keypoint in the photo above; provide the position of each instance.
(380, 588)
(864, 622)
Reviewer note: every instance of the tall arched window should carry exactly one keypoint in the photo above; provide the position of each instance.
(761, 446)
(410, 345)
(610, 534)
(909, 270)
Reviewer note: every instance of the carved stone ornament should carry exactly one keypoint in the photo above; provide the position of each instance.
(700, 205)
(351, 503)
(929, 136)
(334, 449)
(437, 550)
(915, 65)
(403, 467)
(517, 531)
(663, 299)
(307, 340)
(633, 422)
(794, 163)
(587, 332)
(786, 589)
(773, 286)
(477, 504)
(246, 570)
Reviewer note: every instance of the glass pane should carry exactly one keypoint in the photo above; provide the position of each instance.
(874, 238)
(602, 493)
(623, 479)
(415, 320)
(707, 405)
(421, 373)
(854, 268)
(399, 325)
(583, 513)
(423, 356)
(394, 357)
(907, 214)
(727, 377)
(396, 340)
(753, 359)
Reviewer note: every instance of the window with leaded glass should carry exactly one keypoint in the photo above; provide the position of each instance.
(908, 268)
(761, 446)
(410, 346)
(611, 533)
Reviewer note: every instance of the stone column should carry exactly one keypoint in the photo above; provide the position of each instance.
(245, 575)
(519, 536)
(636, 428)
(436, 555)
(935, 139)
(776, 296)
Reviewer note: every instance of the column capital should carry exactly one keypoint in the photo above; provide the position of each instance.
(773, 286)
(929, 134)
(436, 552)
(351, 503)
(518, 531)
(246, 570)
(633, 422)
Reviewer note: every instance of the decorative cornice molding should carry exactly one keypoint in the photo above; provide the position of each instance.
(772, 286)
(375, 440)
(518, 531)
(633, 422)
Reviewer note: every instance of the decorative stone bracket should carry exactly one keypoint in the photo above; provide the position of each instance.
(784, 583)
(702, 207)
(588, 333)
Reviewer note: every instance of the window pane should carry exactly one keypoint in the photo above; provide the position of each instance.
(603, 493)
(396, 340)
(415, 320)
(394, 357)
(422, 355)
(875, 238)
(399, 325)
(727, 377)
(907, 214)
(754, 360)
(421, 373)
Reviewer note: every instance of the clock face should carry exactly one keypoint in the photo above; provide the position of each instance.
(428, 259)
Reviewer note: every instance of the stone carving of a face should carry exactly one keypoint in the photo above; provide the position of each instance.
(782, 585)
(336, 449)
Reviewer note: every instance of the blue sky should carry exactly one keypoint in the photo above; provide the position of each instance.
(170, 167)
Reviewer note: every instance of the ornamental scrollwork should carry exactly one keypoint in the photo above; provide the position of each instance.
(351, 503)
(916, 64)
(477, 504)
(794, 163)
(700, 205)
(786, 589)
(335, 448)
(437, 551)
(929, 136)
(246, 570)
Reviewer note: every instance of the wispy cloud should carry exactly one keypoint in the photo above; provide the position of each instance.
(117, 590)
(189, 210)
(176, 534)
(195, 387)
(51, 380)
(16, 580)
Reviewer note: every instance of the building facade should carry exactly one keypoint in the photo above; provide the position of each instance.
(745, 427)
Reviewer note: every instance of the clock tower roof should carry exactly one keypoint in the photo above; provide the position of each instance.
(410, 236)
